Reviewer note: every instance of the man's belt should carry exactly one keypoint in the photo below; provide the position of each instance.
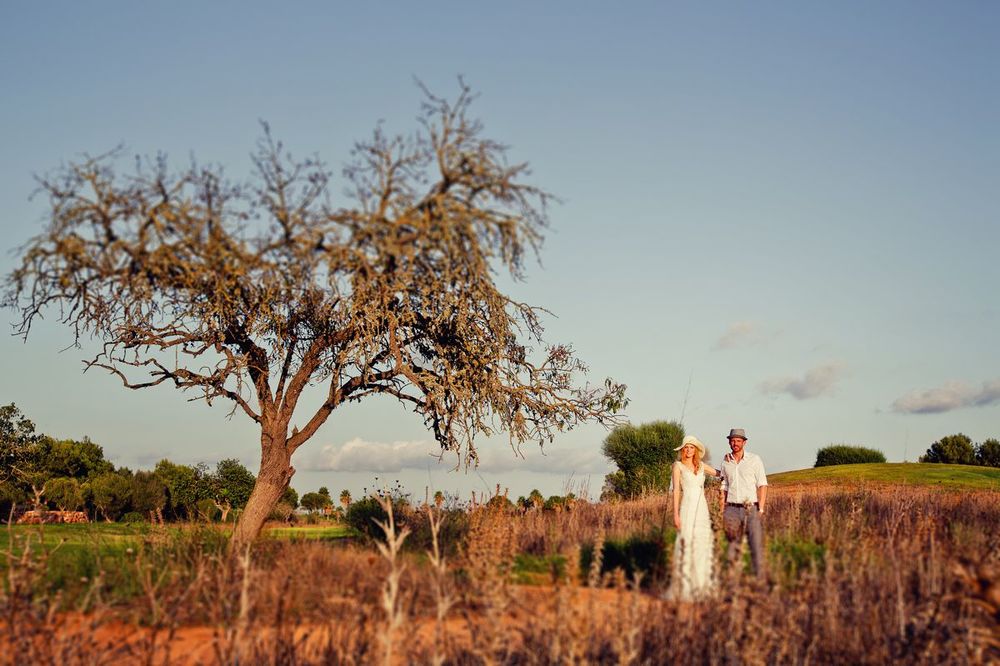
(741, 504)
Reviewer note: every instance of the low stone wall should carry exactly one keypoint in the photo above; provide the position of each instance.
(46, 517)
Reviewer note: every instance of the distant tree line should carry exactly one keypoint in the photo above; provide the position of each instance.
(319, 501)
(44, 473)
(959, 449)
(956, 449)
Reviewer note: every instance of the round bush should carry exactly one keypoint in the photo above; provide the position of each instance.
(988, 453)
(452, 531)
(953, 449)
(844, 454)
(133, 517)
(363, 514)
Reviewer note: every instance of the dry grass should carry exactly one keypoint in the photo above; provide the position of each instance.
(858, 576)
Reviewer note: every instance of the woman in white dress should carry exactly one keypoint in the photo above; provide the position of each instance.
(693, 575)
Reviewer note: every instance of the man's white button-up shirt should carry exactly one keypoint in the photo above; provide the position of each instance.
(740, 480)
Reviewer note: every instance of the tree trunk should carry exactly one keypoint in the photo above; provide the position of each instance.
(275, 472)
(38, 492)
(224, 509)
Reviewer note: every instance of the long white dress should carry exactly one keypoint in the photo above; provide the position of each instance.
(693, 560)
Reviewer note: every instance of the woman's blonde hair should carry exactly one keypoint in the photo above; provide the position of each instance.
(695, 458)
(700, 452)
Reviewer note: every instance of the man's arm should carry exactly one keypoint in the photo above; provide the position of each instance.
(761, 486)
(761, 498)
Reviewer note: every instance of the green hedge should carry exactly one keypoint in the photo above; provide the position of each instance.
(844, 454)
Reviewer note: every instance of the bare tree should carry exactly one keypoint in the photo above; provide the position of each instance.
(255, 292)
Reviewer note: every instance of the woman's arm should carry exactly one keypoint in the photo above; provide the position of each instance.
(724, 486)
(711, 471)
(676, 482)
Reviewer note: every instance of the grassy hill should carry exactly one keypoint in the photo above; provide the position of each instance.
(954, 477)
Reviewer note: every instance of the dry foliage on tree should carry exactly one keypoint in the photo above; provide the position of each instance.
(253, 292)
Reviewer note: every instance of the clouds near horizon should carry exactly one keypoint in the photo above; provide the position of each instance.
(551, 460)
(359, 455)
(816, 382)
(947, 397)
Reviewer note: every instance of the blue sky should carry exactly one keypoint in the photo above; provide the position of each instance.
(776, 216)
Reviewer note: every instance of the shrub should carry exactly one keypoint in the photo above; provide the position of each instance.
(499, 503)
(643, 455)
(645, 554)
(845, 454)
(207, 510)
(954, 449)
(110, 493)
(10, 496)
(452, 532)
(364, 515)
(539, 569)
(65, 492)
(313, 502)
(133, 517)
(791, 556)
(555, 503)
(988, 453)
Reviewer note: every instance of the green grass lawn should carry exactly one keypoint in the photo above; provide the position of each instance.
(952, 477)
(109, 537)
(115, 538)
(77, 554)
(310, 533)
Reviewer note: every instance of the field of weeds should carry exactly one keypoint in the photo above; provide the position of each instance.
(861, 576)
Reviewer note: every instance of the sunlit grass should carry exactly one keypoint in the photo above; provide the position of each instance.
(321, 533)
(106, 536)
(952, 477)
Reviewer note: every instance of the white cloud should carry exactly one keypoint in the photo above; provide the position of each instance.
(552, 460)
(989, 395)
(358, 455)
(816, 382)
(945, 398)
(742, 334)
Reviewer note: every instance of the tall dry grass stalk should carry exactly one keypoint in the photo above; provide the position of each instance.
(390, 550)
(443, 597)
(486, 563)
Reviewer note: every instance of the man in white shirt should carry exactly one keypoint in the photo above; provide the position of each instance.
(744, 495)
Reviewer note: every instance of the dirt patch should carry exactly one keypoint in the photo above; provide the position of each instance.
(75, 637)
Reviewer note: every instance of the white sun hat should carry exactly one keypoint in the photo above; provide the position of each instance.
(693, 441)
